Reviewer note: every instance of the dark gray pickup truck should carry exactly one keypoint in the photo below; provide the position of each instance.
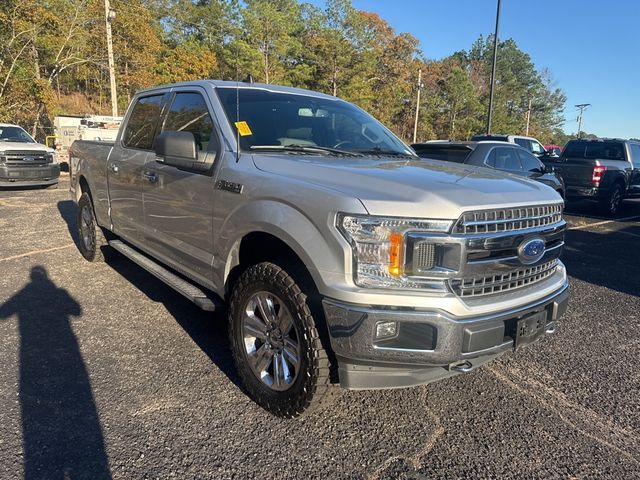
(605, 171)
(340, 255)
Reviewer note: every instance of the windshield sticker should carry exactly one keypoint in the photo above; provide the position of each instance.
(243, 128)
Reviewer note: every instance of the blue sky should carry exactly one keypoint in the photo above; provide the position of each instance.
(591, 47)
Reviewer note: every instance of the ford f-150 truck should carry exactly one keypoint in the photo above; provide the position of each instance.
(340, 256)
(25, 162)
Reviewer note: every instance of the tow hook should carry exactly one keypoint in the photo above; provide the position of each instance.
(551, 328)
(462, 367)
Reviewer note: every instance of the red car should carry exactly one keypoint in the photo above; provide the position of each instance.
(553, 149)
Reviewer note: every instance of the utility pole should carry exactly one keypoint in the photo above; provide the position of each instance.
(415, 123)
(109, 16)
(528, 118)
(493, 69)
(582, 107)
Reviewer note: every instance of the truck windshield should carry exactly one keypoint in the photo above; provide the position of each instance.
(301, 122)
(15, 134)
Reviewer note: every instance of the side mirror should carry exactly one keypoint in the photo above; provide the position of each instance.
(178, 149)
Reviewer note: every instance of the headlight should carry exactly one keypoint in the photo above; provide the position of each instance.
(394, 252)
(50, 157)
(3, 159)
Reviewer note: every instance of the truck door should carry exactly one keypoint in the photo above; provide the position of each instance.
(125, 166)
(178, 203)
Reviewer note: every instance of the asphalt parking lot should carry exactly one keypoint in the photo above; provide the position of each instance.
(107, 373)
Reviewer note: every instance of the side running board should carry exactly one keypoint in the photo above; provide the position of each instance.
(180, 285)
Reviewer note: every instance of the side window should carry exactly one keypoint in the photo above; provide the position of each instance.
(635, 155)
(189, 113)
(141, 126)
(523, 142)
(506, 158)
(536, 148)
(529, 162)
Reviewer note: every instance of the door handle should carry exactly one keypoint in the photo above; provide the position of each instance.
(114, 168)
(150, 176)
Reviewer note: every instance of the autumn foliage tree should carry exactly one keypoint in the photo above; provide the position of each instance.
(53, 61)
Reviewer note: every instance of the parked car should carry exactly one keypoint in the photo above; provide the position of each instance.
(553, 149)
(23, 161)
(604, 170)
(340, 255)
(528, 143)
(502, 156)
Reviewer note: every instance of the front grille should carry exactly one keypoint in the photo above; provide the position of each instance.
(17, 159)
(474, 287)
(508, 219)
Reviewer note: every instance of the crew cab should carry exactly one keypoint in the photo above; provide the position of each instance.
(340, 256)
(23, 161)
(605, 171)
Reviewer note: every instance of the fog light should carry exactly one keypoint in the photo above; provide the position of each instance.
(386, 329)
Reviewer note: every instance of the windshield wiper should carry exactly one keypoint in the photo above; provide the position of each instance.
(384, 152)
(306, 149)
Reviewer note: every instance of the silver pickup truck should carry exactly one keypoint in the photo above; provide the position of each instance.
(340, 256)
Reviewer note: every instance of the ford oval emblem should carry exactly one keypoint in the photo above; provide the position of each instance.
(531, 250)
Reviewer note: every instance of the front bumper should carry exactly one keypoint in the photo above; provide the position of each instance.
(29, 176)
(429, 344)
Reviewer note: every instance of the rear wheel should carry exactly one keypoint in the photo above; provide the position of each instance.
(611, 203)
(91, 241)
(275, 342)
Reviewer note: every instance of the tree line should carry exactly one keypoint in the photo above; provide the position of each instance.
(53, 60)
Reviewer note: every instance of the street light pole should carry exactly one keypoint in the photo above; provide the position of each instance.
(415, 122)
(493, 69)
(109, 15)
(582, 107)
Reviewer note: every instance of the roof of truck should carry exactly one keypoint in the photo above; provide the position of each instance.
(241, 85)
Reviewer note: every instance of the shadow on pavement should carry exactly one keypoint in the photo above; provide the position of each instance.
(207, 329)
(606, 258)
(67, 209)
(587, 209)
(62, 436)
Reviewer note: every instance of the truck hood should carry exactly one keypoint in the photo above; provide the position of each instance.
(411, 188)
(24, 147)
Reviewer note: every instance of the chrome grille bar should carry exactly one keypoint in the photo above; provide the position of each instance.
(508, 219)
(477, 286)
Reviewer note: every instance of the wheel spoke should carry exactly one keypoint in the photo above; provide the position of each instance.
(267, 310)
(286, 373)
(278, 373)
(255, 327)
(284, 320)
(262, 359)
(291, 352)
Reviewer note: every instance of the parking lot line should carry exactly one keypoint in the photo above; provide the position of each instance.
(625, 219)
(34, 252)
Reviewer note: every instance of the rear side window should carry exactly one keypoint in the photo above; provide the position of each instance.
(457, 155)
(523, 142)
(605, 150)
(504, 158)
(594, 150)
(529, 162)
(141, 126)
(189, 113)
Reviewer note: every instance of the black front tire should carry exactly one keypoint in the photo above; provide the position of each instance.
(312, 387)
(92, 242)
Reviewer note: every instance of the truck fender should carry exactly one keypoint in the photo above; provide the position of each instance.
(287, 224)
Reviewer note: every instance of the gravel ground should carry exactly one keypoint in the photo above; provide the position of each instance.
(107, 373)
